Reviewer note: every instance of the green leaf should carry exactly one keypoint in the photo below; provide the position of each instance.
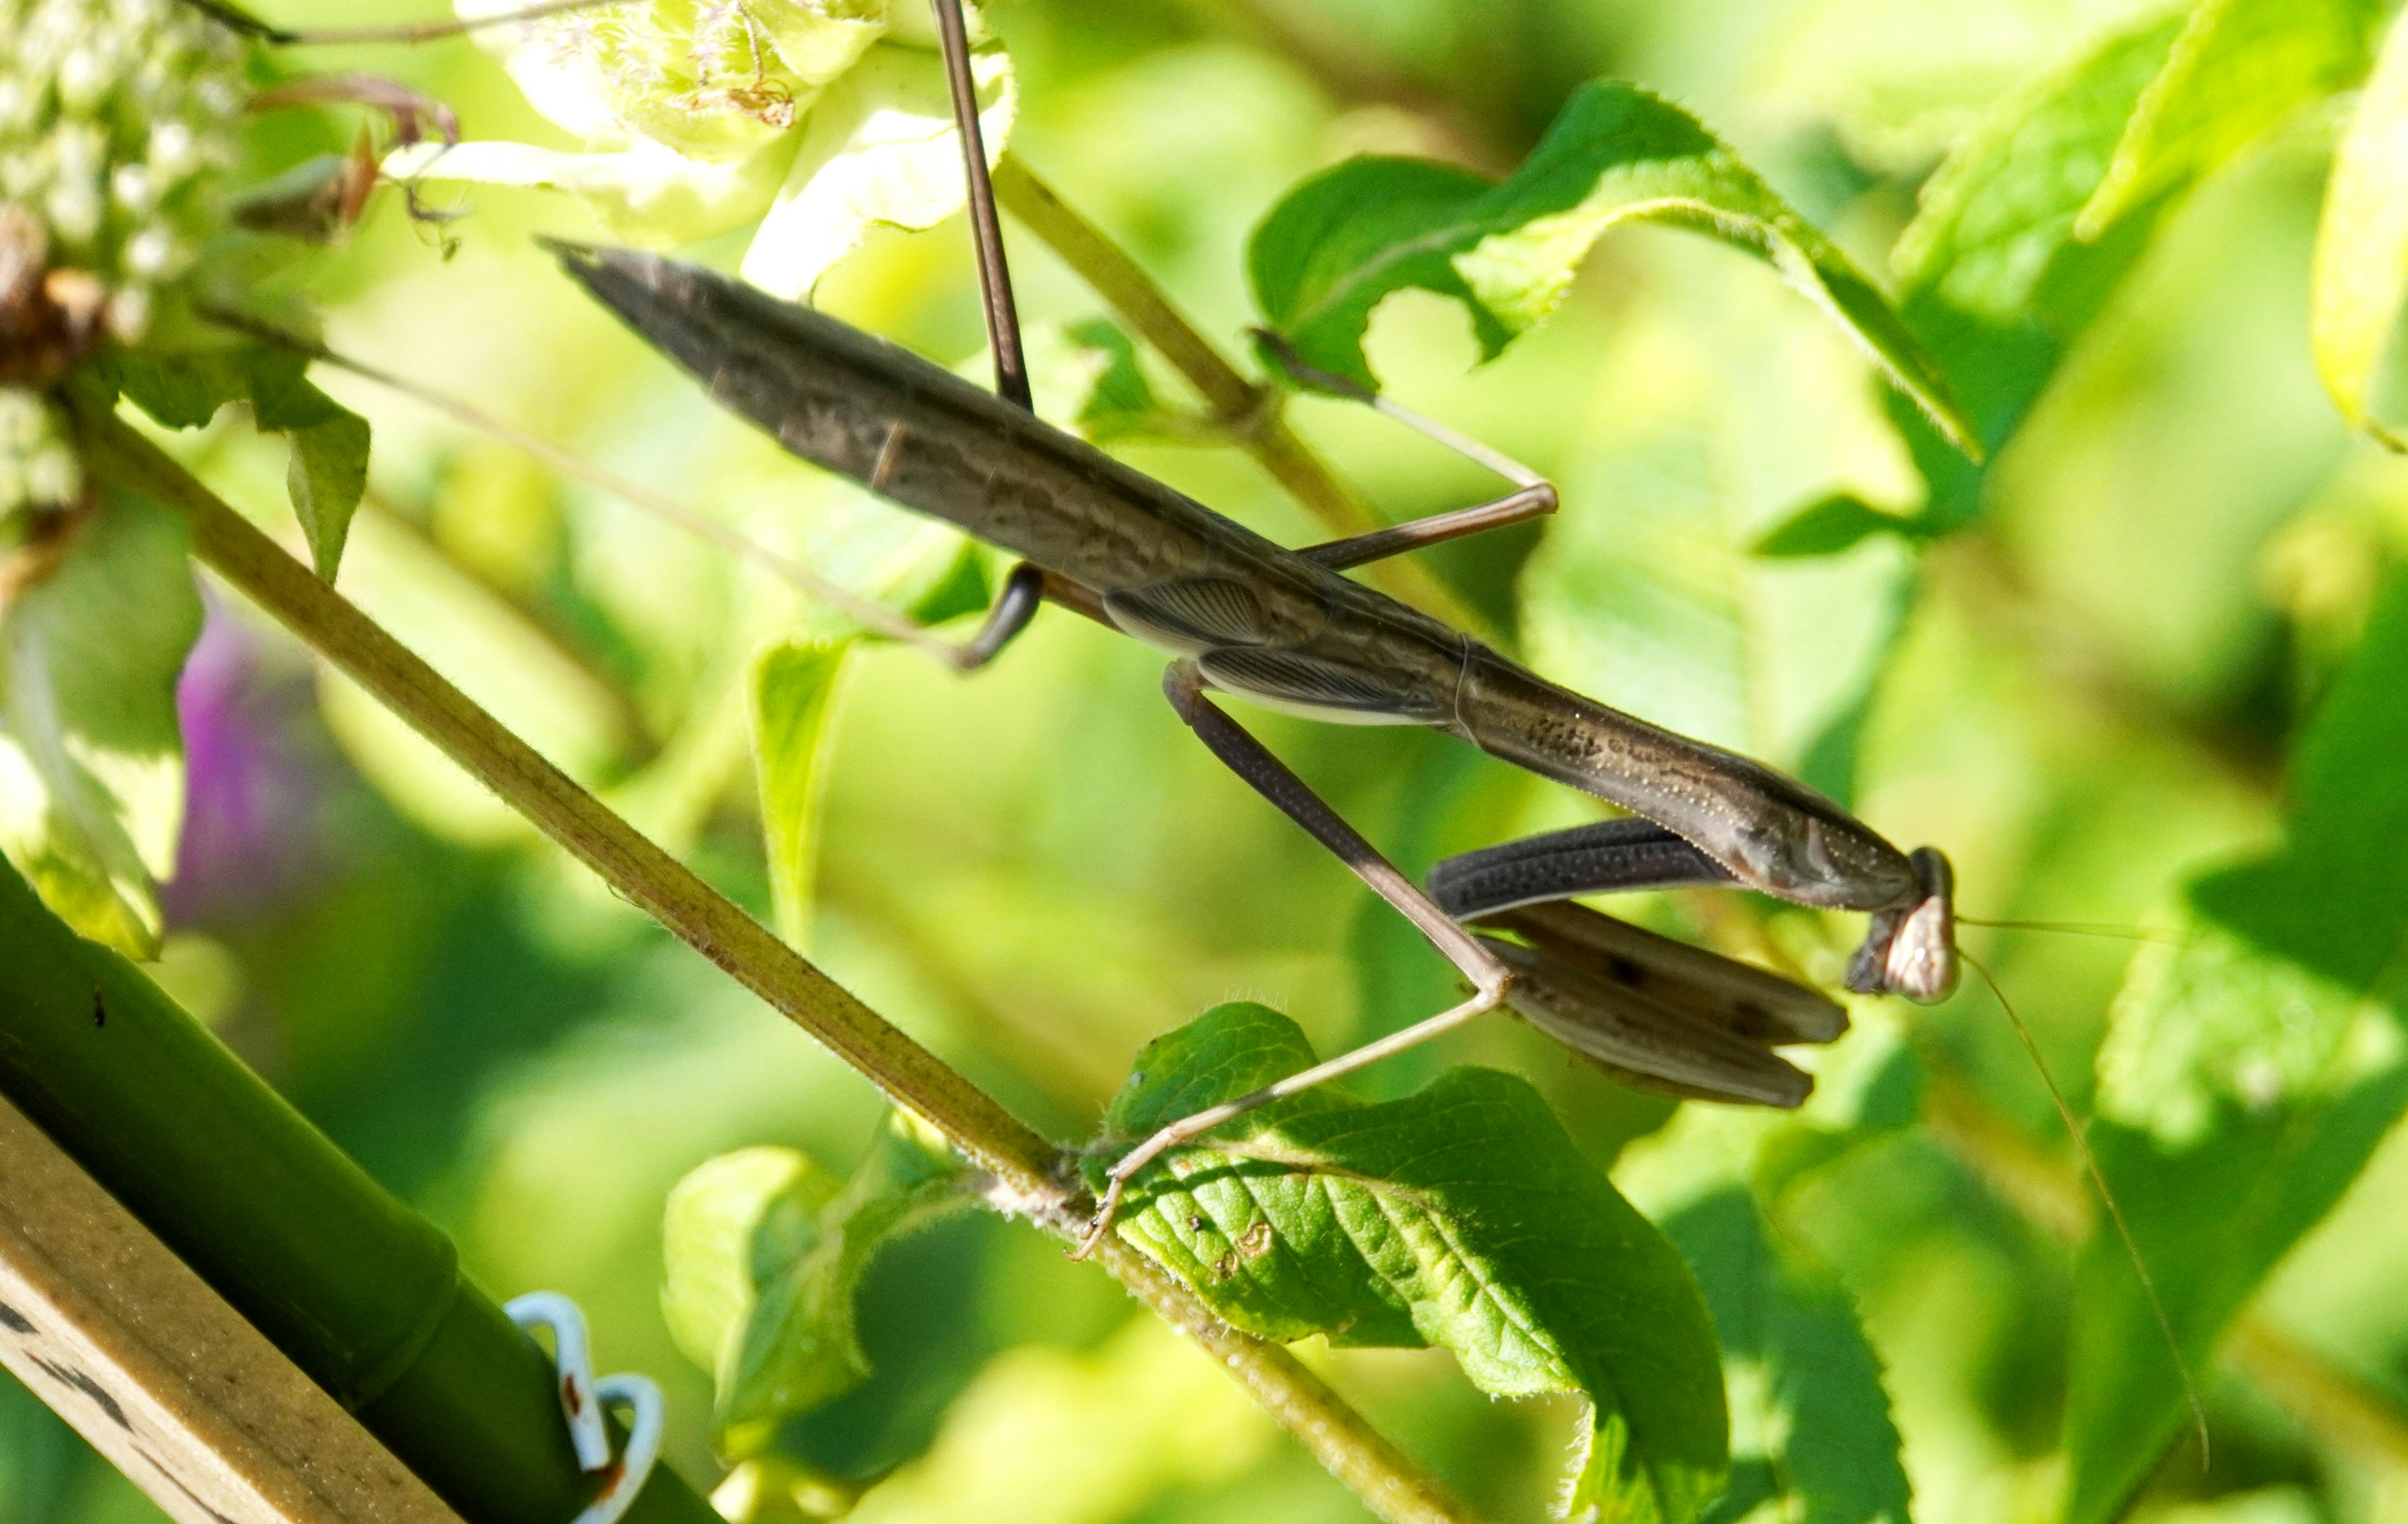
(181, 390)
(1461, 1216)
(2239, 67)
(329, 469)
(1828, 525)
(2362, 264)
(2019, 241)
(1342, 241)
(2250, 1072)
(1811, 1429)
(763, 1253)
(729, 1226)
(1087, 378)
(328, 473)
(2021, 236)
(92, 765)
(793, 689)
(283, 400)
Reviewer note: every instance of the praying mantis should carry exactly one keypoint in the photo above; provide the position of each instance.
(1243, 616)
(1284, 629)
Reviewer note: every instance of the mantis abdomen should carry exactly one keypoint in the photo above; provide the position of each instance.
(1259, 621)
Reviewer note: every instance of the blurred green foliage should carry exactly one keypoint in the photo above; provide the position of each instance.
(2084, 667)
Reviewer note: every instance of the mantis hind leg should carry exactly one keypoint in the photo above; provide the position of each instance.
(1533, 496)
(1271, 777)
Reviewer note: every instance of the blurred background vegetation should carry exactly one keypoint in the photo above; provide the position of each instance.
(1036, 870)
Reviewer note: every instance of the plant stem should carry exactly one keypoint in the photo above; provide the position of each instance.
(1028, 1171)
(1250, 414)
(2334, 1406)
(2337, 1408)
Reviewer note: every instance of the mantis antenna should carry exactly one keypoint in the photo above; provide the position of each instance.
(2073, 1129)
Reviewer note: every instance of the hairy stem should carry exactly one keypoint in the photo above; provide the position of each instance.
(1249, 413)
(2337, 1408)
(1028, 1171)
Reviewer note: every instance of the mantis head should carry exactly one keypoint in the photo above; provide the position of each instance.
(1911, 948)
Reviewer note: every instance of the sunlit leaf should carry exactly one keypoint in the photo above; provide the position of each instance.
(2362, 264)
(2250, 1072)
(1461, 1216)
(1994, 281)
(2239, 67)
(879, 147)
(726, 1218)
(2021, 239)
(1344, 240)
(1811, 1429)
(763, 1253)
(709, 82)
(96, 617)
(643, 194)
(794, 691)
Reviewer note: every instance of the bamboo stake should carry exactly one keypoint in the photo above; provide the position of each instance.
(161, 1375)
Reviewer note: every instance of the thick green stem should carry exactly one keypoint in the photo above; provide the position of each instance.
(360, 1292)
(1250, 414)
(1028, 1171)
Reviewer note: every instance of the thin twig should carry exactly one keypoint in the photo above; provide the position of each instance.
(250, 26)
(1028, 1170)
(1250, 414)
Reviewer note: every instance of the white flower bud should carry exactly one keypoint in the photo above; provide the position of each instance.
(129, 314)
(18, 104)
(149, 252)
(129, 186)
(84, 76)
(74, 207)
(22, 421)
(54, 475)
(173, 153)
(112, 114)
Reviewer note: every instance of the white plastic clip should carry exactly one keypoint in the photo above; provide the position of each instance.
(581, 1399)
